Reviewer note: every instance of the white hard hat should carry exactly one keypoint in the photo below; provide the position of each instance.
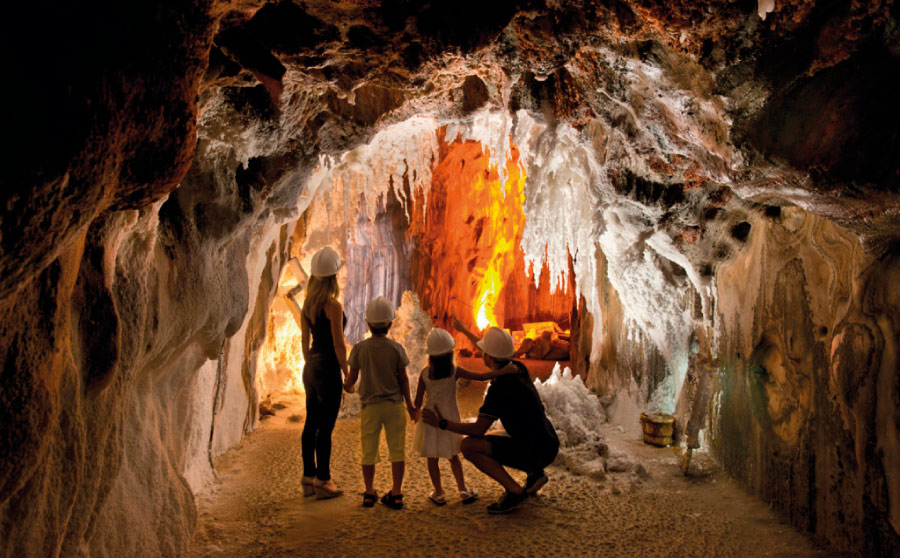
(497, 342)
(380, 312)
(439, 342)
(325, 262)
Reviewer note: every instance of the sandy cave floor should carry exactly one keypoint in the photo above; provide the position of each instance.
(256, 507)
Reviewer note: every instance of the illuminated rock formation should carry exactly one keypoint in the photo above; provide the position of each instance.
(686, 165)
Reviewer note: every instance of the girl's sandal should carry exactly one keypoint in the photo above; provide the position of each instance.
(391, 501)
(369, 499)
(468, 496)
(437, 499)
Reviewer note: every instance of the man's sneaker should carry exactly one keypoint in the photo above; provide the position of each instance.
(535, 482)
(508, 502)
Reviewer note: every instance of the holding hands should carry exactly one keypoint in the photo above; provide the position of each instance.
(349, 381)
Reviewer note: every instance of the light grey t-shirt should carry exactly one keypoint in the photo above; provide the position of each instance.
(378, 359)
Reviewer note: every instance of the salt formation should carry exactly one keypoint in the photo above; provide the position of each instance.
(568, 185)
(350, 198)
(404, 150)
(573, 205)
(280, 362)
(280, 365)
(576, 415)
(490, 128)
(350, 405)
(410, 329)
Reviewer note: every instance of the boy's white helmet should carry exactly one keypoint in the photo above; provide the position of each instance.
(325, 262)
(497, 342)
(439, 342)
(380, 312)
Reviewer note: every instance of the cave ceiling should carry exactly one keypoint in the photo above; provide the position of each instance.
(711, 99)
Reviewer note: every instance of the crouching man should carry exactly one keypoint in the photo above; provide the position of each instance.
(531, 443)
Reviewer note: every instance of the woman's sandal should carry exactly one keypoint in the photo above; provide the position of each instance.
(391, 501)
(468, 496)
(437, 500)
(324, 493)
(308, 486)
(369, 499)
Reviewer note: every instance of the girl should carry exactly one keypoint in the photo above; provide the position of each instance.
(437, 385)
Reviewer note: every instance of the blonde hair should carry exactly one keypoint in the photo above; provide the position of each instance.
(318, 292)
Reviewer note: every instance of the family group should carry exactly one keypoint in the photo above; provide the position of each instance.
(378, 365)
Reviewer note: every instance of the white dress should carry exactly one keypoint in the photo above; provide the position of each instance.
(441, 395)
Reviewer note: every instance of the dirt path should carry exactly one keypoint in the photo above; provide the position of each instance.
(256, 508)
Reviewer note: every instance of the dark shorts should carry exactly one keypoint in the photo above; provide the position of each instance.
(511, 452)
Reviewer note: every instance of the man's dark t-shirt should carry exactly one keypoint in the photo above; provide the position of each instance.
(513, 400)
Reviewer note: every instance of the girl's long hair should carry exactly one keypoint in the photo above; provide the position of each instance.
(441, 365)
(319, 290)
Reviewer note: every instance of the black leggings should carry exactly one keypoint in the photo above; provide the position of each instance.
(322, 381)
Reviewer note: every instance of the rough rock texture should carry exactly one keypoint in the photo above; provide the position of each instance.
(808, 409)
(659, 141)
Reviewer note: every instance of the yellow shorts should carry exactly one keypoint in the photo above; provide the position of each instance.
(392, 416)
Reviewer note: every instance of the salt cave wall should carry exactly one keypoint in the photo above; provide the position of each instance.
(804, 324)
(95, 341)
(807, 413)
(131, 313)
(628, 368)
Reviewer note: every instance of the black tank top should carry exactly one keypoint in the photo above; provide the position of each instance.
(322, 341)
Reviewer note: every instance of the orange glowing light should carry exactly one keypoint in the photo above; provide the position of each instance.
(502, 229)
(535, 329)
(518, 336)
(467, 230)
(280, 359)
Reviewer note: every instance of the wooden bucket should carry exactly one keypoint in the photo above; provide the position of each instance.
(659, 429)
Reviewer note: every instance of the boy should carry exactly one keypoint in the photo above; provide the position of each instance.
(383, 389)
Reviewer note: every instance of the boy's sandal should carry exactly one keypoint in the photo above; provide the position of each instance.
(369, 499)
(468, 496)
(391, 501)
(438, 500)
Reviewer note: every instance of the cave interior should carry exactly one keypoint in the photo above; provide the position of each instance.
(646, 192)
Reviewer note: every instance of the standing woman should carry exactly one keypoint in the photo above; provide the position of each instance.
(326, 358)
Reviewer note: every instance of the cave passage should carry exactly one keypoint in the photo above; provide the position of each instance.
(457, 248)
(642, 505)
(687, 216)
